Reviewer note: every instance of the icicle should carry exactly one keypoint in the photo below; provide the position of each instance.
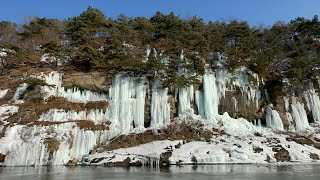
(313, 103)
(71, 94)
(185, 100)
(210, 97)
(286, 103)
(60, 115)
(148, 51)
(290, 121)
(273, 119)
(259, 122)
(160, 108)
(221, 78)
(299, 115)
(235, 102)
(140, 90)
(127, 99)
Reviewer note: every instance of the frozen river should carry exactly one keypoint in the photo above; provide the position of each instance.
(216, 172)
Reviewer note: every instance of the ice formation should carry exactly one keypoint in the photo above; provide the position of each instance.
(186, 98)
(160, 107)
(126, 110)
(60, 115)
(71, 94)
(3, 93)
(25, 145)
(273, 119)
(236, 127)
(313, 103)
(209, 98)
(299, 115)
(7, 110)
(126, 103)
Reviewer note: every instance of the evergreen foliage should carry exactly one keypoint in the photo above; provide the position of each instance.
(178, 49)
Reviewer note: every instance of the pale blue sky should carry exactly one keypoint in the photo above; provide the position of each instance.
(254, 11)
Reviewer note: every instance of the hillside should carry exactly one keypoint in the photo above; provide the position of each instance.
(164, 90)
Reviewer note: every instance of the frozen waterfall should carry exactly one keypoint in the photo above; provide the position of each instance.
(313, 102)
(160, 107)
(126, 103)
(299, 115)
(273, 119)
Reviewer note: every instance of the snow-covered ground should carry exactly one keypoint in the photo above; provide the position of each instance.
(222, 149)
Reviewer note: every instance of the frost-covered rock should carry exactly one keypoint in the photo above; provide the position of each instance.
(3, 93)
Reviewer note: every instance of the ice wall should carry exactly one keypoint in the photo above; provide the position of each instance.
(24, 145)
(215, 84)
(20, 150)
(126, 112)
(127, 103)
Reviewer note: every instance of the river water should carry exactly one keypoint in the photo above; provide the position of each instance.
(216, 172)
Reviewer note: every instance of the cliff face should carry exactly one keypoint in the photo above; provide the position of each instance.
(71, 115)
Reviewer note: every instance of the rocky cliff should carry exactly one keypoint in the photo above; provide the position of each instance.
(52, 118)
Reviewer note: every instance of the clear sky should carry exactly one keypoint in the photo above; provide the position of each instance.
(254, 11)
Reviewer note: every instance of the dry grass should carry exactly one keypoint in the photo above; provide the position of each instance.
(82, 124)
(16, 76)
(193, 131)
(89, 125)
(93, 81)
(30, 111)
(303, 141)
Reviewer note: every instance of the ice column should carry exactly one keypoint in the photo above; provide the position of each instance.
(185, 100)
(314, 104)
(273, 119)
(126, 105)
(299, 115)
(160, 107)
(210, 97)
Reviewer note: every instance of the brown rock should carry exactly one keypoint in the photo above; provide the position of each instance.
(93, 81)
(164, 158)
(314, 156)
(2, 158)
(282, 155)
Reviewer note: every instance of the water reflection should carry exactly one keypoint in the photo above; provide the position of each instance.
(225, 172)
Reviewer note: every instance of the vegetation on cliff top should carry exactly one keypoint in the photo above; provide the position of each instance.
(94, 42)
